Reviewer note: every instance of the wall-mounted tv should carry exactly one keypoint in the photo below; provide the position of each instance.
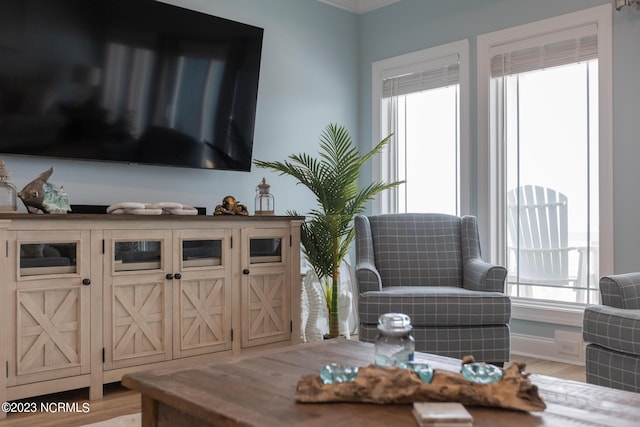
(136, 81)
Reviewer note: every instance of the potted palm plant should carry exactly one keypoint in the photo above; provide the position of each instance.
(328, 232)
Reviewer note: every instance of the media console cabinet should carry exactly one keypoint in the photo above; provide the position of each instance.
(88, 298)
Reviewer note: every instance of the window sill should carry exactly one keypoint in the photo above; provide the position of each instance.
(556, 313)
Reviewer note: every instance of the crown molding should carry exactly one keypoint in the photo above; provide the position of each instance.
(359, 6)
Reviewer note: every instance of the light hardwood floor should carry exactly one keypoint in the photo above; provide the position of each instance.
(552, 369)
(119, 401)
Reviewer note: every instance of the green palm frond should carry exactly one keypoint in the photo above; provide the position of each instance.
(327, 233)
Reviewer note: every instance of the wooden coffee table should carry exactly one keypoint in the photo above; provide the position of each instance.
(258, 390)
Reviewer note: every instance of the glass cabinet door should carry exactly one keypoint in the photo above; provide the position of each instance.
(47, 258)
(201, 253)
(265, 250)
(137, 255)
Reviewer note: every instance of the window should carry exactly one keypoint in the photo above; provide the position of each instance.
(547, 86)
(421, 98)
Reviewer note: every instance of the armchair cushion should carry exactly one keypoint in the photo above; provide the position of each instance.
(613, 328)
(437, 306)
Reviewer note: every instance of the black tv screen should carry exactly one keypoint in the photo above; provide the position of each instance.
(136, 81)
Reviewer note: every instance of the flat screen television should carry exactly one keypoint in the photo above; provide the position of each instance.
(136, 81)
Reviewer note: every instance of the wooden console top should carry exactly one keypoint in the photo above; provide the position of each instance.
(124, 217)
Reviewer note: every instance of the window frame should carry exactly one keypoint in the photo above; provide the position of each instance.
(413, 62)
(491, 178)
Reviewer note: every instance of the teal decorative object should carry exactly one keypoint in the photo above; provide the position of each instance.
(424, 371)
(336, 373)
(481, 373)
(40, 195)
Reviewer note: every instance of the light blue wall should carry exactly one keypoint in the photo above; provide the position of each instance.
(308, 78)
(411, 25)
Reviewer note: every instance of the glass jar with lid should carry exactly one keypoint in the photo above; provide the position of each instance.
(394, 345)
(8, 200)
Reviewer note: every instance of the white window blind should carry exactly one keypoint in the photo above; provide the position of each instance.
(436, 73)
(550, 50)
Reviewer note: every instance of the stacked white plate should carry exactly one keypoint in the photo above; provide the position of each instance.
(160, 208)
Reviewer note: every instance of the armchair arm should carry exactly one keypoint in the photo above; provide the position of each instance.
(368, 277)
(478, 275)
(621, 290)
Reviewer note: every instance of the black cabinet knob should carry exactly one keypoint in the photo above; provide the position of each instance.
(86, 282)
(169, 276)
(177, 276)
(245, 271)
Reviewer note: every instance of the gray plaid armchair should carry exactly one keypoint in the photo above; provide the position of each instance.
(428, 266)
(613, 331)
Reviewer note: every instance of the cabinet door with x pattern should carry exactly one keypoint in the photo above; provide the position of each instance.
(137, 297)
(201, 292)
(265, 288)
(50, 321)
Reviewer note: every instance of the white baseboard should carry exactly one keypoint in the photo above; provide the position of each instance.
(565, 348)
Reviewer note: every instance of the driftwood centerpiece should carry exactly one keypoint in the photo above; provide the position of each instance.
(391, 385)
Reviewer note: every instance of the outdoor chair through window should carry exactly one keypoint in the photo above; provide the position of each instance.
(539, 251)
